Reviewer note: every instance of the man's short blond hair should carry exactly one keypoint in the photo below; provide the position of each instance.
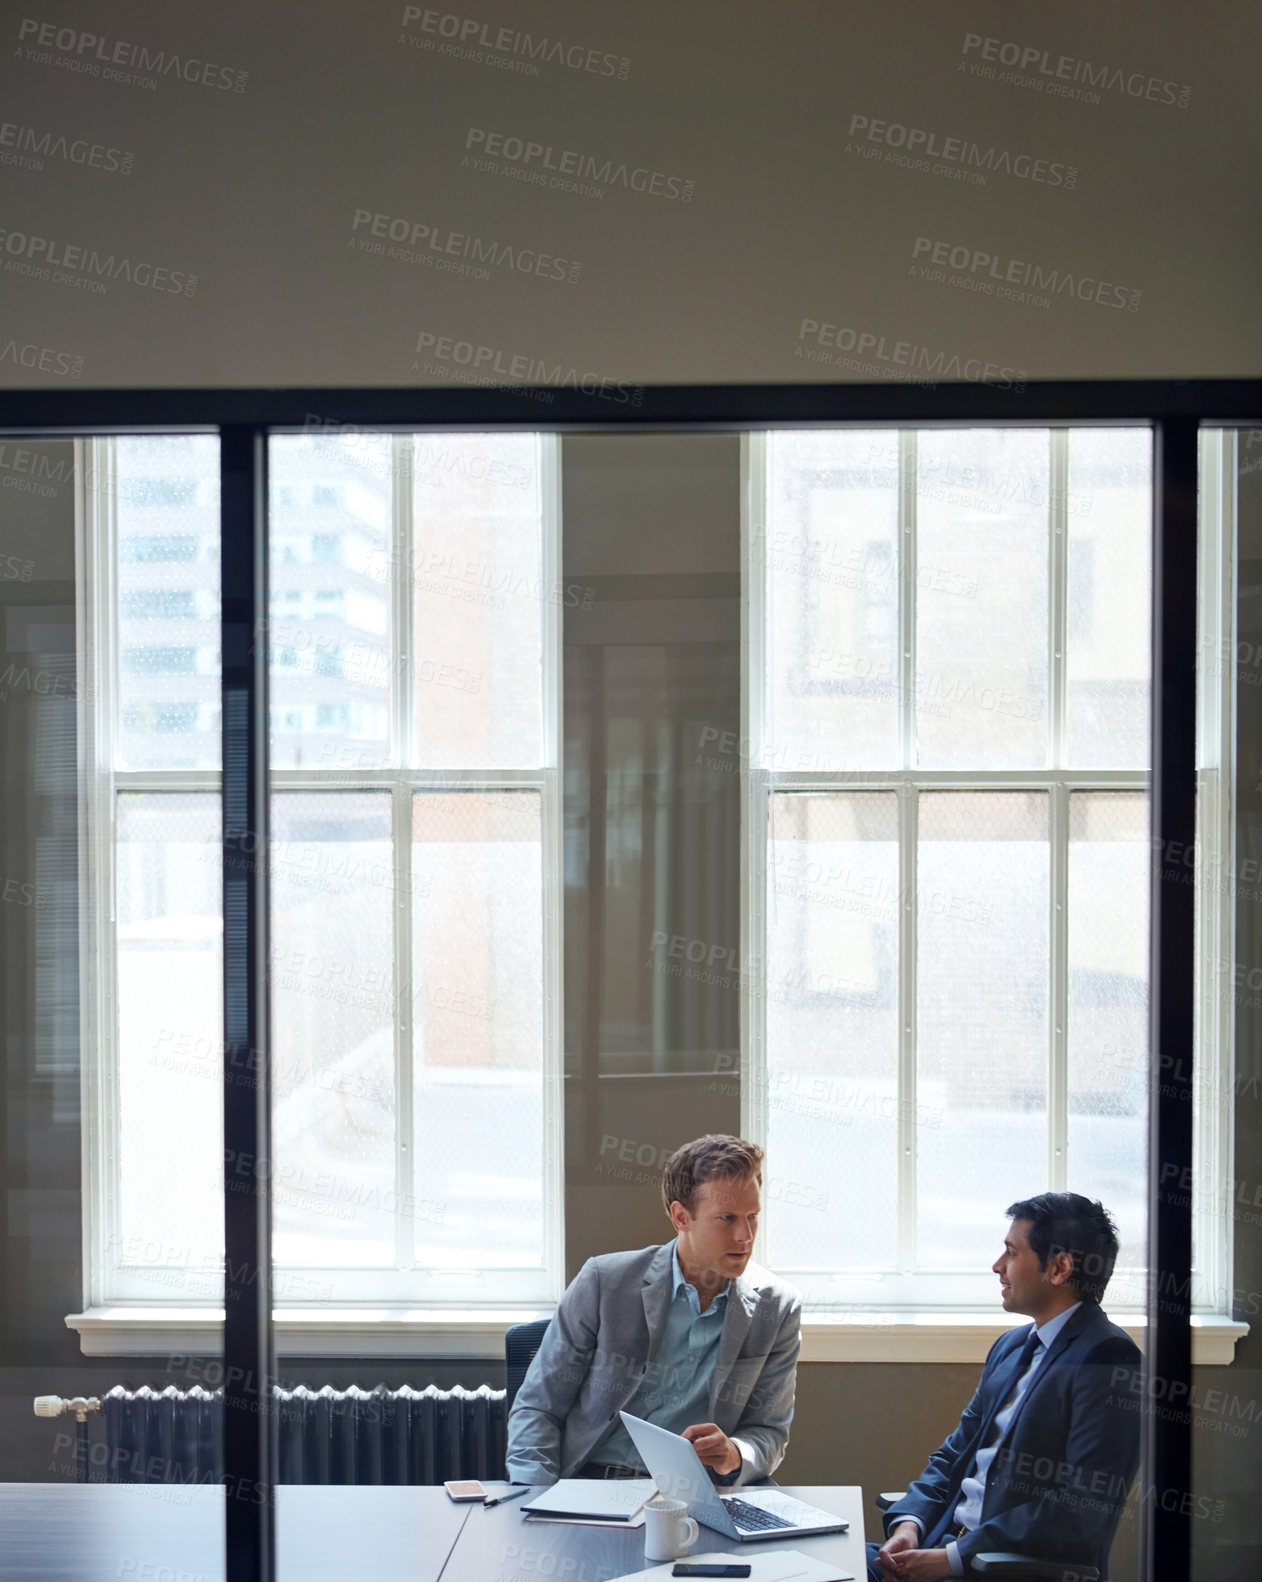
(715, 1157)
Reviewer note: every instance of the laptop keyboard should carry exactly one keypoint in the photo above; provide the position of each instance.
(752, 1517)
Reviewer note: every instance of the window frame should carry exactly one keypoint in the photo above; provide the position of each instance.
(127, 1313)
(877, 1316)
(944, 1336)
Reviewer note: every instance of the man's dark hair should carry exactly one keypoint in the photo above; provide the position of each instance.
(1068, 1222)
(717, 1156)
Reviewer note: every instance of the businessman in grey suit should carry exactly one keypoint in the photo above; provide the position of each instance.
(690, 1335)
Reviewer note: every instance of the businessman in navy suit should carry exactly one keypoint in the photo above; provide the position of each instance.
(1044, 1456)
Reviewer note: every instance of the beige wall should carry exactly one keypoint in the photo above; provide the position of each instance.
(758, 133)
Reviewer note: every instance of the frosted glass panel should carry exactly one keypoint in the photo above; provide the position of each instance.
(830, 556)
(480, 596)
(1109, 596)
(1109, 860)
(982, 1016)
(170, 1045)
(332, 987)
(166, 492)
(832, 1030)
(981, 628)
(477, 1018)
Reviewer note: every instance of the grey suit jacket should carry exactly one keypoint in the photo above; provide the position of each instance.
(604, 1338)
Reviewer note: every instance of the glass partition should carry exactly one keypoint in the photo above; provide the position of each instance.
(596, 824)
(111, 938)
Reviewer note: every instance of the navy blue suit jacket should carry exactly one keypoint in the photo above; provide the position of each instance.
(1062, 1472)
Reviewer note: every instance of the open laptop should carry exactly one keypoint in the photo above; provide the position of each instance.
(752, 1514)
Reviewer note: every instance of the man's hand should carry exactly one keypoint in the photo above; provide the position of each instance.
(714, 1447)
(919, 1565)
(905, 1537)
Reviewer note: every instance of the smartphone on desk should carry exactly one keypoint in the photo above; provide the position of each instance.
(464, 1491)
(712, 1568)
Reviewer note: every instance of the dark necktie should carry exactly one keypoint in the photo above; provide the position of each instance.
(1013, 1377)
(1032, 1344)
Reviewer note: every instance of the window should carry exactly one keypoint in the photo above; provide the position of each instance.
(946, 859)
(142, 547)
(947, 849)
(160, 661)
(157, 603)
(414, 867)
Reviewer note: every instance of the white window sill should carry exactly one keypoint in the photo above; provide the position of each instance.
(316, 1332)
(967, 1337)
(478, 1333)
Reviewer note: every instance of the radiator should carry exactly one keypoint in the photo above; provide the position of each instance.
(325, 1436)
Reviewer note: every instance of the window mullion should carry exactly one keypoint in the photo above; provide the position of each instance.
(967, 779)
(1058, 1006)
(97, 669)
(550, 573)
(1058, 593)
(403, 754)
(907, 473)
(908, 819)
(1057, 750)
(553, 840)
(207, 780)
(403, 713)
(404, 1156)
(1215, 1088)
(754, 1080)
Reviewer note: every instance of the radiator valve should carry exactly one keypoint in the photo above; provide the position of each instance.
(54, 1406)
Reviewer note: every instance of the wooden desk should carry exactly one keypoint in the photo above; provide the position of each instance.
(121, 1532)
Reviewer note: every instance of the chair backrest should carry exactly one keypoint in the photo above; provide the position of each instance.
(520, 1345)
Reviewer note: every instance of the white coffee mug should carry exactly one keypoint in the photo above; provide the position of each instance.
(668, 1529)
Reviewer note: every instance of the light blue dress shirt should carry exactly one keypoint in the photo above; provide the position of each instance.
(675, 1389)
(968, 1512)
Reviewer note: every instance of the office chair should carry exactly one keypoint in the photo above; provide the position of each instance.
(520, 1345)
(1006, 1567)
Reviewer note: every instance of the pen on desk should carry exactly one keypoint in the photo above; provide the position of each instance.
(500, 1499)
